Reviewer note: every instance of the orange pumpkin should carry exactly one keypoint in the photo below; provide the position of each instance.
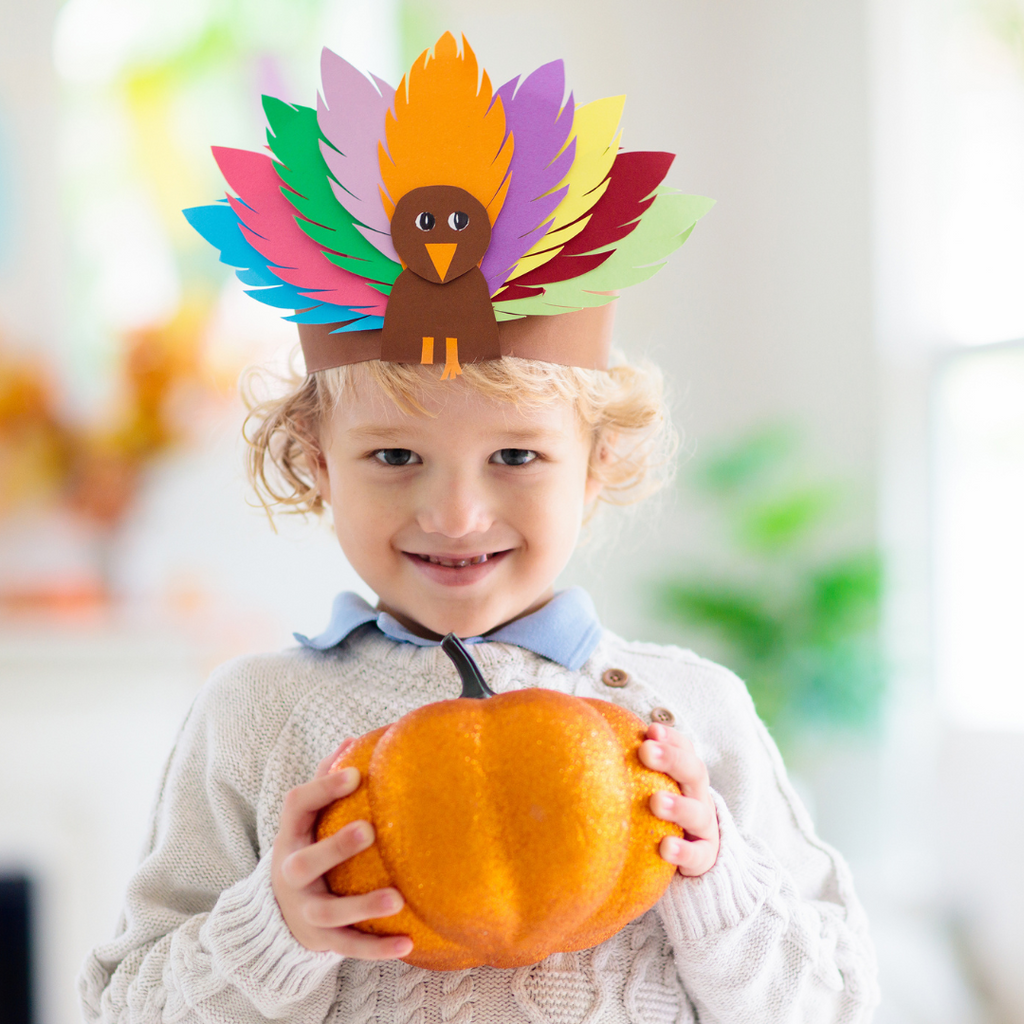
(515, 827)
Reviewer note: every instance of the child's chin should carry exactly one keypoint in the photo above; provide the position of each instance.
(470, 624)
(470, 617)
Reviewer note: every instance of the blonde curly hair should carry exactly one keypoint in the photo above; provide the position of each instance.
(622, 409)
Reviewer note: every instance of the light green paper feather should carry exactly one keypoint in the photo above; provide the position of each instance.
(664, 227)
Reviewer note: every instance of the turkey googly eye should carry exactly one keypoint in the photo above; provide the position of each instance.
(458, 221)
(425, 221)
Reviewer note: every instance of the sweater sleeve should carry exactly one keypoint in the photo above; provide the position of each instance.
(773, 932)
(201, 939)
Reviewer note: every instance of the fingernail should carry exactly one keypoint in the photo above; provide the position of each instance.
(662, 803)
(391, 903)
(362, 832)
(674, 847)
(657, 753)
(348, 776)
(402, 947)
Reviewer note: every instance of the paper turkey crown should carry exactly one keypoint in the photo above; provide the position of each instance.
(443, 222)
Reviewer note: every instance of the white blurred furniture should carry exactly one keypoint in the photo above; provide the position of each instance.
(982, 808)
(88, 717)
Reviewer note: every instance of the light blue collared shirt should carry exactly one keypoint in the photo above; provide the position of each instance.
(566, 630)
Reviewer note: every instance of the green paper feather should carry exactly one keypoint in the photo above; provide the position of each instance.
(641, 254)
(294, 138)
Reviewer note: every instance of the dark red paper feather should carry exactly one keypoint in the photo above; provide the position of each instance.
(632, 179)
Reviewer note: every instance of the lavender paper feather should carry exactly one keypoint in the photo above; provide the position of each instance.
(351, 115)
(540, 125)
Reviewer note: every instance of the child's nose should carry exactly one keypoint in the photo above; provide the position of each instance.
(454, 507)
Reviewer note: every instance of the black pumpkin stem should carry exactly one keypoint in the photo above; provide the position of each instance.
(473, 684)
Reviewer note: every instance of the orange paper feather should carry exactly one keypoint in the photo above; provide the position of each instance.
(445, 130)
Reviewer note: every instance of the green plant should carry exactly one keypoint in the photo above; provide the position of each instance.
(799, 625)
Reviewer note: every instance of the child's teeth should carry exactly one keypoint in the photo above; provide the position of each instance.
(449, 563)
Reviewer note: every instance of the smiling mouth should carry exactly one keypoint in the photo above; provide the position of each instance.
(458, 563)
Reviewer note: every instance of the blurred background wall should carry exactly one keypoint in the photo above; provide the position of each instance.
(840, 337)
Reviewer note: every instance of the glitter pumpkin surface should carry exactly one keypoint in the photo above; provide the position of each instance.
(514, 827)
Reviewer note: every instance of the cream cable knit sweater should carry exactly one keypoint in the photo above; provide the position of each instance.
(773, 932)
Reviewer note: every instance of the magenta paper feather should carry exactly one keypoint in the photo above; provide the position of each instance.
(351, 116)
(268, 224)
(540, 126)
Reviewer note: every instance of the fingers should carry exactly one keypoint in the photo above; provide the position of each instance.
(691, 858)
(698, 851)
(319, 920)
(360, 946)
(696, 817)
(305, 865)
(667, 751)
(302, 803)
(325, 765)
(328, 911)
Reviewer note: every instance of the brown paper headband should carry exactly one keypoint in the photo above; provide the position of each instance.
(581, 337)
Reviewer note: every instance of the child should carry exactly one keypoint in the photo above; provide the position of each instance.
(458, 497)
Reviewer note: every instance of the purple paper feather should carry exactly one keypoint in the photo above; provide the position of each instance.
(351, 116)
(539, 124)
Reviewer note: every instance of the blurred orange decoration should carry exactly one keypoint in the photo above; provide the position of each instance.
(94, 470)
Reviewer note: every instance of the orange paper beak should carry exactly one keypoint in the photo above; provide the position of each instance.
(441, 255)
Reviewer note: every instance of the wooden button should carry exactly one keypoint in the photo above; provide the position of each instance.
(615, 677)
(663, 716)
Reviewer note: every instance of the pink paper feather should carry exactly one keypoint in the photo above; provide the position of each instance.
(268, 224)
(351, 116)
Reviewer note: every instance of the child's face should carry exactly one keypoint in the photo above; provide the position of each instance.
(458, 521)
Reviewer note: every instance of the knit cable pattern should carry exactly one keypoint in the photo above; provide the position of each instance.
(456, 997)
(357, 1002)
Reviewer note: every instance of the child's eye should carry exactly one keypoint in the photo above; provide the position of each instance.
(513, 456)
(396, 456)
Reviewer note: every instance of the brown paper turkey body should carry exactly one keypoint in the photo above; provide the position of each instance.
(440, 305)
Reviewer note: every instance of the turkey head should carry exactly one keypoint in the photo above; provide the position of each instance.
(440, 307)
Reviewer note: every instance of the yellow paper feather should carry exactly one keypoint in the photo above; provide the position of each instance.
(595, 128)
(445, 130)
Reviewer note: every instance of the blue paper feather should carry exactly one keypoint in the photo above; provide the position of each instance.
(219, 225)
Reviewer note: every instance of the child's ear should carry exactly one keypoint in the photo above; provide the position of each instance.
(600, 457)
(317, 462)
(323, 481)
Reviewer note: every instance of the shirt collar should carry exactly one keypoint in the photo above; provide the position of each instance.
(565, 630)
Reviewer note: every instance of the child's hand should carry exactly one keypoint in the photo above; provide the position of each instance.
(317, 918)
(666, 751)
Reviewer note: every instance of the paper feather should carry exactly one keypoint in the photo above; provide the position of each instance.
(294, 137)
(641, 254)
(268, 223)
(630, 193)
(220, 226)
(540, 125)
(350, 114)
(446, 130)
(595, 131)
